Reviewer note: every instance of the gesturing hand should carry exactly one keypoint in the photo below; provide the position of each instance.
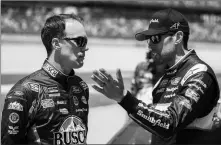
(112, 88)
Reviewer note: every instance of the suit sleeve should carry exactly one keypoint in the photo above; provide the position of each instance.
(164, 120)
(15, 117)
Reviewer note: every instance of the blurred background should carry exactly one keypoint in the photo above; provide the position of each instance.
(110, 25)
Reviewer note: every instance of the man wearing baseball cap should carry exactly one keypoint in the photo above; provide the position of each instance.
(185, 97)
(165, 21)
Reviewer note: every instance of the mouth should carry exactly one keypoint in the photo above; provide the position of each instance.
(81, 58)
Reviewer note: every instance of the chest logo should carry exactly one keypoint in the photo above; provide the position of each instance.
(163, 83)
(172, 89)
(161, 90)
(75, 99)
(83, 99)
(47, 103)
(175, 81)
(170, 95)
(84, 85)
(76, 89)
(72, 131)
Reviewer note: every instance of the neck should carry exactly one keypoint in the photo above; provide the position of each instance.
(58, 66)
(180, 53)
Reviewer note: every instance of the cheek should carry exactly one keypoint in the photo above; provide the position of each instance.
(68, 52)
(168, 50)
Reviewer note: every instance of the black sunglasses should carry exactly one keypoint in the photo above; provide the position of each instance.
(80, 41)
(155, 39)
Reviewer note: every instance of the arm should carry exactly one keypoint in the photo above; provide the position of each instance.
(15, 117)
(166, 121)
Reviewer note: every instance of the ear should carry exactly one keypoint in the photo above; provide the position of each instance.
(179, 37)
(55, 43)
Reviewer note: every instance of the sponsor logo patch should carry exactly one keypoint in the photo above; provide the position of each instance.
(141, 105)
(14, 117)
(84, 85)
(200, 82)
(54, 95)
(34, 87)
(53, 89)
(163, 83)
(47, 103)
(175, 26)
(13, 130)
(72, 131)
(76, 90)
(18, 93)
(175, 81)
(61, 102)
(83, 99)
(170, 95)
(197, 87)
(81, 110)
(172, 89)
(154, 21)
(15, 106)
(152, 120)
(186, 103)
(50, 70)
(75, 99)
(64, 111)
(161, 90)
(192, 94)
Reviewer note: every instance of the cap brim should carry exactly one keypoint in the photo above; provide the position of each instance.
(141, 36)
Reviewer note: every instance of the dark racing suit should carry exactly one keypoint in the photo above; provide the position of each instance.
(46, 107)
(184, 102)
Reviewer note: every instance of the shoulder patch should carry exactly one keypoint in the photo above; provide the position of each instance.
(195, 69)
(34, 86)
(83, 85)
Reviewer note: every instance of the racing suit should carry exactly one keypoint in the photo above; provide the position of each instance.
(184, 102)
(46, 107)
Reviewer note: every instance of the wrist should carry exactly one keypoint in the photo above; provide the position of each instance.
(123, 95)
(124, 92)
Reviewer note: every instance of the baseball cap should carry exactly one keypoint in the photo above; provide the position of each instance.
(167, 20)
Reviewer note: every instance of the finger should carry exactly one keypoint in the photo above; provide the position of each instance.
(101, 76)
(98, 89)
(107, 75)
(97, 80)
(119, 77)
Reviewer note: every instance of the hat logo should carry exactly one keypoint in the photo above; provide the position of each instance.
(154, 21)
(175, 26)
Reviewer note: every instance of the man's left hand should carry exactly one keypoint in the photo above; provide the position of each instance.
(111, 88)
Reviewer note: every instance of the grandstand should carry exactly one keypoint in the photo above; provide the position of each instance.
(112, 18)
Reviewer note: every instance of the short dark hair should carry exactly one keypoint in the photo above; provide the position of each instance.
(54, 28)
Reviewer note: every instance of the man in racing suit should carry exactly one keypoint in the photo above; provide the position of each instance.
(50, 106)
(184, 98)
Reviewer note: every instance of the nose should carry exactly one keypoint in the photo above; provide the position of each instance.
(85, 49)
(150, 46)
